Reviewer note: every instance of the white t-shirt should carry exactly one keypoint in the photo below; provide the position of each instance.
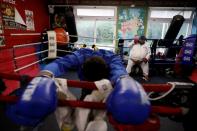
(138, 51)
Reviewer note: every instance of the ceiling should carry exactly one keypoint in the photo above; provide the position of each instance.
(153, 3)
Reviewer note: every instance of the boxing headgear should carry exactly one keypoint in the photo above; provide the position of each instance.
(62, 36)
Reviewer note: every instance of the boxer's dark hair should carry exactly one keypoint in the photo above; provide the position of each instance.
(95, 68)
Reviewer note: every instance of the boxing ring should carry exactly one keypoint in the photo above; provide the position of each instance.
(155, 109)
(95, 105)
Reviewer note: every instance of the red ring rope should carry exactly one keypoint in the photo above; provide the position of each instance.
(96, 105)
(91, 85)
(165, 110)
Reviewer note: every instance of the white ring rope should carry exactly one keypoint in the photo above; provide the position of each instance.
(16, 58)
(64, 51)
(182, 83)
(30, 64)
(92, 37)
(24, 34)
(164, 95)
(23, 45)
(80, 44)
(20, 57)
(27, 34)
(174, 84)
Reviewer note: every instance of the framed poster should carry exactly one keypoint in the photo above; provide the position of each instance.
(8, 15)
(1, 24)
(131, 22)
(29, 20)
(2, 41)
(8, 11)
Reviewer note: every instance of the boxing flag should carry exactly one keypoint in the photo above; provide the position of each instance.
(52, 44)
(188, 50)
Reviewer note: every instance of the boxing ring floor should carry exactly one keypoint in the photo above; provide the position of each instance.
(50, 123)
(166, 124)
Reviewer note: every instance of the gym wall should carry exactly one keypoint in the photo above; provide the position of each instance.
(41, 22)
(18, 36)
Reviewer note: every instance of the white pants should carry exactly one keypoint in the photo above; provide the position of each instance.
(65, 116)
(82, 114)
(144, 66)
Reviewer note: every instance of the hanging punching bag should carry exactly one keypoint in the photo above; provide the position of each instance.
(174, 29)
(71, 24)
(63, 17)
(172, 33)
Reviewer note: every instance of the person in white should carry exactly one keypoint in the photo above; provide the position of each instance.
(67, 120)
(139, 54)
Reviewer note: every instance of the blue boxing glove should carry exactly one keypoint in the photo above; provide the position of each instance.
(128, 102)
(37, 101)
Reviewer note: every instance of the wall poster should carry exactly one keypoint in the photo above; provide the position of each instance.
(1, 24)
(8, 15)
(29, 20)
(2, 41)
(131, 22)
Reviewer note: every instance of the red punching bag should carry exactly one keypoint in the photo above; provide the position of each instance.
(62, 37)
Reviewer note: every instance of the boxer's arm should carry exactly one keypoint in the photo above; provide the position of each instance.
(61, 65)
(37, 101)
(128, 102)
(117, 69)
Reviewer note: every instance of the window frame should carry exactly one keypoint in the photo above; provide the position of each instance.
(99, 18)
(168, 20)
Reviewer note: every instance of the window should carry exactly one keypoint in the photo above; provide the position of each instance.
(105, 32)
(160, 18)
(85, 29)
(158, 29)
(95, 12)
(169, 13)
(96, 25)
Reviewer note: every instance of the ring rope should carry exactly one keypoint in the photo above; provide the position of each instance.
(91, 85)
(30, 44)
(116, 38)
(91, 37)
(165, 110)
(166, 63)
(24, 34)
(30, 54)
(64, 51)
(23, 67)
(173, 86)
(164, 95)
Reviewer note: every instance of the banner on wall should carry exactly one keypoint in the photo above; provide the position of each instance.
(130, 22)
(8, 11)
(2, 41)
(1, 24)
(29, 20)
(18, 19)
(52, 44)
(8, 15)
